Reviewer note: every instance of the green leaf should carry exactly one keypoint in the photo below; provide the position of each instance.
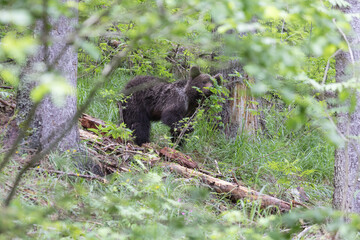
(90, 48)
(10, 77)
(17, 48)
(55, 85)
(19, 17)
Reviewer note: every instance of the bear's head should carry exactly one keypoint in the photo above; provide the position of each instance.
(201, 81)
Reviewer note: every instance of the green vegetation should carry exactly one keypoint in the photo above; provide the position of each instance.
(286, 51)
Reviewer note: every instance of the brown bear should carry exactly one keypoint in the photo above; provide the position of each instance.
(151, 99)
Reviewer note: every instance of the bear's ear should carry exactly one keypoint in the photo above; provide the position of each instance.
(218, 78)
(194, 72)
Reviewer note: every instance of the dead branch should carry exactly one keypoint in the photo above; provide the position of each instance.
(185, 167)
(103, 180)
(8, 104)
(236, 191)
(176, 156)
(88, 121)
(217, 168)
(6, 87)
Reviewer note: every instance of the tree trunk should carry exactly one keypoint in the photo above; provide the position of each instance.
(238, 113)
(50, 119)
(346, 179)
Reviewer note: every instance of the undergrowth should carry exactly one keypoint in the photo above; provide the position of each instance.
(275, 162)
(156, 204)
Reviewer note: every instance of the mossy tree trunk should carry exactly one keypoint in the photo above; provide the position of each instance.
(346, 179)
(50, 119)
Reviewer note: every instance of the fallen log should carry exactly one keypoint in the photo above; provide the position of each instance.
(85, 135)
(236, 191)
(173, 155)
(185, 167)
(88, 121)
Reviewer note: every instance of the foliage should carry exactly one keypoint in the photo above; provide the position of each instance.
(111, 130)
(332, 221)
(154, 205)
(290, 173)
(274, 50)
(286, 50)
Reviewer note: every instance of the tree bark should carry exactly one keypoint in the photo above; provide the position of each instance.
(49, 118)
(238, 113)
(346, 179)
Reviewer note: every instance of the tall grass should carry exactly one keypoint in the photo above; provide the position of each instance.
(158, 204)
(274, 163)
(104, 104)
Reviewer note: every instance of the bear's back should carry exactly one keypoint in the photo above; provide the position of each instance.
(140, 80)
(154, 95)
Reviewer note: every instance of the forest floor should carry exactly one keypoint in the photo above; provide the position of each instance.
(124, 192)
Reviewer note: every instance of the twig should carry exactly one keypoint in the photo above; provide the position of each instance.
(187, 126)
(20, 136)
(239, 183)
(210, 173)
(6, 87)
(7, 104)
(217, 167)
(328, 66)
(299, 203)
(348, 43)
(103, 180)
(282, 29)
(302, 234)
(100, 64)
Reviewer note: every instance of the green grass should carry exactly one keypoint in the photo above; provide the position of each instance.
(134, 205)
(157, 204)
(104, 104)
(274, 164)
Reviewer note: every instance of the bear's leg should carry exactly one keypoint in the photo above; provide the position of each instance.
(172, 118)
(139, 123)
(141, 132)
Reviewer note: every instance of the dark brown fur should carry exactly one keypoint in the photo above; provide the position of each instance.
(153, 100)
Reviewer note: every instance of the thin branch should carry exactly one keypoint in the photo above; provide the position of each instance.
(187, 126)
(6, 87)
(328, 66)
(303, 233)
(103, 180)
(348, 43)
(217, 167)
(7, 104)
(282, 30)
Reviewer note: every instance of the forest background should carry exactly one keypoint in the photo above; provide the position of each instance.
(284, 54)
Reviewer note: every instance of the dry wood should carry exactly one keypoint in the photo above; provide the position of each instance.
(184, 167)
(88, 121)
(85, 135)
(6, 87)
(8, 104)
(176, 156)
(236, 192)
